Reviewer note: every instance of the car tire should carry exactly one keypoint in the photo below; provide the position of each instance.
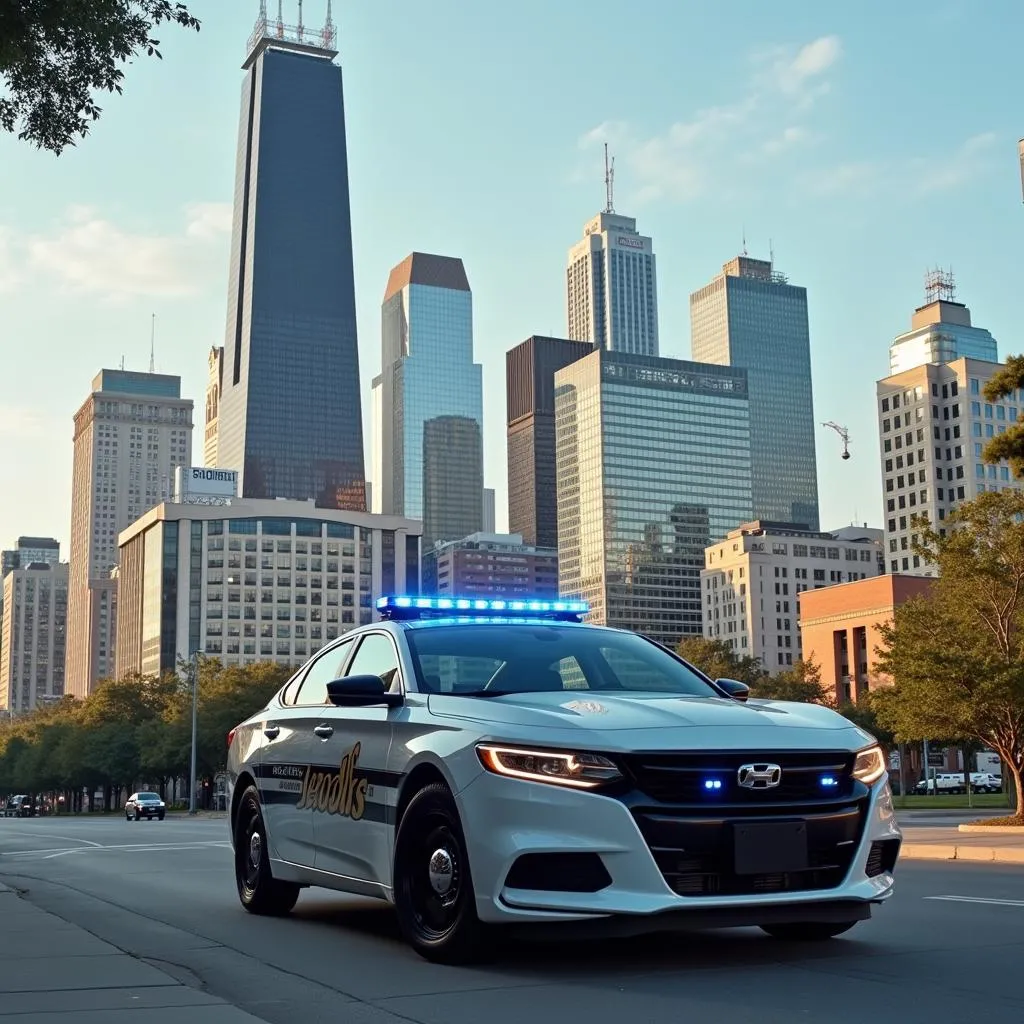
(807, 931)
(442, 926)
(127, 816)
(160, 816)
(258, 890)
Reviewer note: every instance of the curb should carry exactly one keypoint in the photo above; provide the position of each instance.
(949, 851)
(994, 830)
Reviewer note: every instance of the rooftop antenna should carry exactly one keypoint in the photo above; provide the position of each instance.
(771, 252)
(609, 182)
(844, 434)
(152, 345)
(300, 21)
(280, 21)
(939, 285)
(744, 253)
(122, 363)
(329, 32)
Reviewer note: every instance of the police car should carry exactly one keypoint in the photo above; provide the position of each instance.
(484, 763)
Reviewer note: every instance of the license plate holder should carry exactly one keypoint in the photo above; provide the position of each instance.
(770, 848)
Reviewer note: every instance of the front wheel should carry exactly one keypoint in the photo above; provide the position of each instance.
(258, 890)
(434, 895)
(808, 931)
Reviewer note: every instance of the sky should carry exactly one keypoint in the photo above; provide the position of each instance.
(861, 144)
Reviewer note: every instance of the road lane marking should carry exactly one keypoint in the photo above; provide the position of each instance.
(978, 899)
(50, 835)
(129, 848)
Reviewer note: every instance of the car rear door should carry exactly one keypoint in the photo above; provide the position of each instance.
(289, 753)
(352, 832)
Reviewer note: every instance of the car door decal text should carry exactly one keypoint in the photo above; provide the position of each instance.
(338, 791)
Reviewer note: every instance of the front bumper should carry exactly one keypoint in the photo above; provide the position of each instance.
(604, 849)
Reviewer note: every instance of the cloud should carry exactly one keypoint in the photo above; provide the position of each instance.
(10, 276)
(85, 253)
(20, 422)
(706, 149)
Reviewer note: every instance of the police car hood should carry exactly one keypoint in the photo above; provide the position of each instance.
(584, 710)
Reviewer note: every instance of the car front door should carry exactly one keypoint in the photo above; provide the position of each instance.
(288, 757)
(351, 827)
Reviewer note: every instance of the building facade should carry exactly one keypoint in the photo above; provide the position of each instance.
(489, 510)
(496, 565)
(750, 316)
(840, 630)
(941, 332)
(33, 636)
(214, 383)
(530, 370)
(289, 414)
(933, 425)
(754, 578)
(131, 434)
(653, 464)
(430, 397)
(256, 580)
(612, 287)
(28, 550)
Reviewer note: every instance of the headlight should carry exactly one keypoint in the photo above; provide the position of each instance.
(870, 765)
(584, 771)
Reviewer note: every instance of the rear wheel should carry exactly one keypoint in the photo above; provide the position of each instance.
(434, 894)
(808, 931)
(258, 890)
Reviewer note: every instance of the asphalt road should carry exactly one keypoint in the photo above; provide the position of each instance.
(164, 892)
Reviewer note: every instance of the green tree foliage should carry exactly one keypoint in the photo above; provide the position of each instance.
(801, 682)
(132, 730)
(1001, 384)
(55, 54)
(957, 655)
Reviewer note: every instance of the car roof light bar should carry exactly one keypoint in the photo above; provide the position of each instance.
(393, 606)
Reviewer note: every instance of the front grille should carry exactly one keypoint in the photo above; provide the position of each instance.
(679, 778)
(882, 857)
(559, 872)
(700, 852)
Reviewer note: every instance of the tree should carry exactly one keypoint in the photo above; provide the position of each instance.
(801, 682)
(957, 654)
(55, 54)
(716, 659)
(1003, 383)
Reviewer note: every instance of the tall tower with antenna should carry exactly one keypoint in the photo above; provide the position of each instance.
(289, 416)
(611, 281)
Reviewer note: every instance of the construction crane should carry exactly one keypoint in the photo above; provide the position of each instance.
(844, 434)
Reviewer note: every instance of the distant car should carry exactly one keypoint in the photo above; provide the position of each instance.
(986, 782)
(479, 763)
(19, 807)
(144, 805)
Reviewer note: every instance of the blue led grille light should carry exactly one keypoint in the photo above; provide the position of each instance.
(829, 781)
(712, 785)
(401, 607)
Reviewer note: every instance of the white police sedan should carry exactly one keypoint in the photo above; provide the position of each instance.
(483, 763)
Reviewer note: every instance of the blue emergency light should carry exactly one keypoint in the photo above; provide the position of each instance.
(405, 607)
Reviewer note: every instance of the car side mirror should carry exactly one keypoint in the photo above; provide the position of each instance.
(734, 688)
(361, 692)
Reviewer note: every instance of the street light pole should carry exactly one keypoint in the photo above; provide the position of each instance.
(195, 688)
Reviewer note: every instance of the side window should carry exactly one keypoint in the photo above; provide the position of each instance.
(377, 657)
(327, 667)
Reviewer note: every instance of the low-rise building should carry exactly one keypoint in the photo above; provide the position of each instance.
(496, 565)
(840, 627)
(254, 580)
(752, 579)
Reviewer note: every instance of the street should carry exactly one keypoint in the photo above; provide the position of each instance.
(946, 948)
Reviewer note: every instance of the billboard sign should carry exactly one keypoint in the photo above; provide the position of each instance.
(205, 482)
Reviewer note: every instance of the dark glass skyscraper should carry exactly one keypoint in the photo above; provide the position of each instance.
(289, 415)
(751, 317)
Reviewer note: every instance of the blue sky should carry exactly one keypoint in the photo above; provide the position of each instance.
(867, 142)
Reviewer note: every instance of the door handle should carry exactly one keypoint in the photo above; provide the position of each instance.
(272, 731)
(324, 731)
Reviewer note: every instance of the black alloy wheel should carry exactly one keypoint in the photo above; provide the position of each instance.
(433, 887)
(807, 931)
(258, 890)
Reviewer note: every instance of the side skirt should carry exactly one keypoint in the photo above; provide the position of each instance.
(305, 876)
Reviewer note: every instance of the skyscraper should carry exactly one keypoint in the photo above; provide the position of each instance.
(429, 397)
(131, 433)
(941, 331)
(44, 550)
(612, 286)
(653, 464)
(289, 415)
(214, 383)
(751, 317)
(530, 370)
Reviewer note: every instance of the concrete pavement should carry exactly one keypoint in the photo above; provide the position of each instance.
(53, 969)
(164, 893)
(987, 843)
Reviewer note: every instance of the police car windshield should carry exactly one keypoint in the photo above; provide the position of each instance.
(496, 660)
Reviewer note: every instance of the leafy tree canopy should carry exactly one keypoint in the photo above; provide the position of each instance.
(56, 54)
(1004, 382)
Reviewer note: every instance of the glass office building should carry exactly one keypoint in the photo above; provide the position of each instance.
(751, 317)
(652, 465)
(429, 401)
(289, 416)
(941, 332)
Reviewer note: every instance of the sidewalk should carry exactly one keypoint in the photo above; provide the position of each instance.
(952, 844)
(54, 972)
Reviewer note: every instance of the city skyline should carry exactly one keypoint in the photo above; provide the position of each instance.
(786, 75)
